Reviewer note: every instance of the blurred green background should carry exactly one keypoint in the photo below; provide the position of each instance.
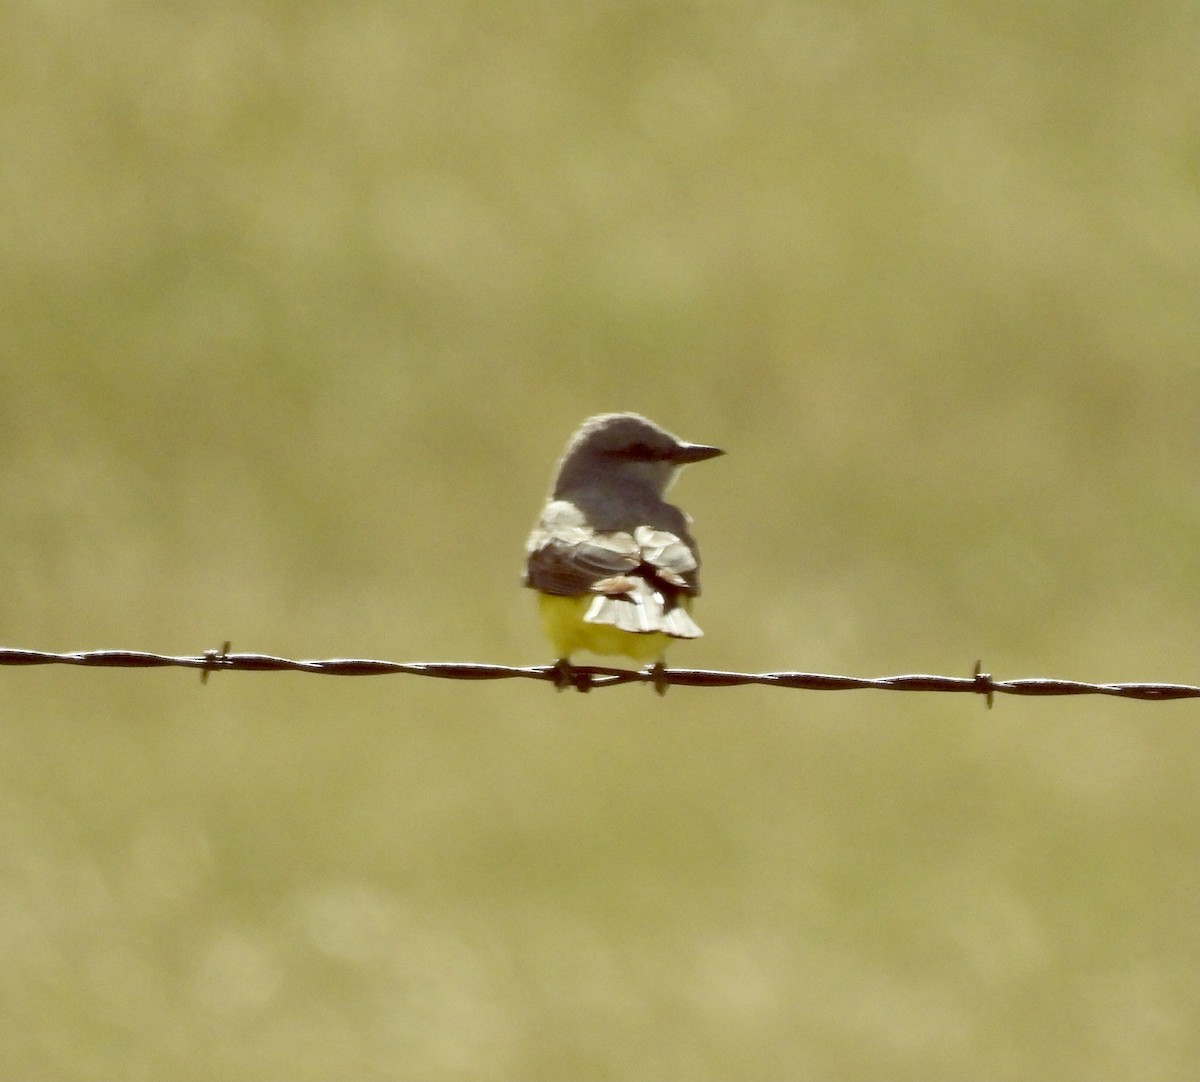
(300, 303)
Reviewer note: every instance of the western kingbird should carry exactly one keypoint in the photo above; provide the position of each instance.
(614, 564)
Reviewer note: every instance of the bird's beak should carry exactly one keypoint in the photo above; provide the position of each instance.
(694, 452)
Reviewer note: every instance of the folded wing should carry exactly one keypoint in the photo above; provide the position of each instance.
(640, 582)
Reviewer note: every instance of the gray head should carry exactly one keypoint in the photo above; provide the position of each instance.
(625, 450)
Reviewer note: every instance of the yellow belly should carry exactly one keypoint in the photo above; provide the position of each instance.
(563, 623)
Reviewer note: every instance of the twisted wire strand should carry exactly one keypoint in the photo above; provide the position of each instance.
(586, 677)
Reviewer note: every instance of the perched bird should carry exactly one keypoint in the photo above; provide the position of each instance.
(614, 564)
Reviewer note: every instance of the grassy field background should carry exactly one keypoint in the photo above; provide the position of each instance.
(300, 303)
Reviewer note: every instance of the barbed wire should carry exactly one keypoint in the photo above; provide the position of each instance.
(586, 677)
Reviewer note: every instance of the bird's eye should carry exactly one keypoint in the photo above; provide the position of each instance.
(641, 451)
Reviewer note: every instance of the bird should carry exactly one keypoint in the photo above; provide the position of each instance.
(614, 564)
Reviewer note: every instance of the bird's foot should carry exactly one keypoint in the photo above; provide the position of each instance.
(566, 676)
(658, 676)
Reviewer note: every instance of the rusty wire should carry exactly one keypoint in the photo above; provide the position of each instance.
(586, 677)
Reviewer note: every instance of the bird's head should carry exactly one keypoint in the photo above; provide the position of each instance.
(626, 450)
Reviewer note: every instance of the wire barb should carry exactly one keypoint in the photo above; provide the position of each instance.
(213, 660)
(983, 683)
(586, 677)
